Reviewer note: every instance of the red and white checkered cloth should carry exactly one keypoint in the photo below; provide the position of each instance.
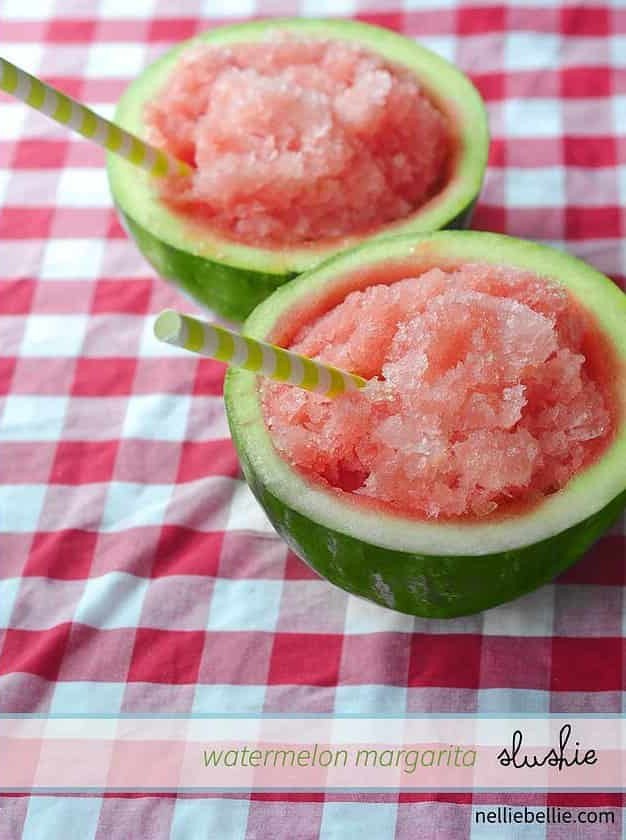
(137, 573)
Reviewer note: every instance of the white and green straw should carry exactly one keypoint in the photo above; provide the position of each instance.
(67, 111)
(251, 354)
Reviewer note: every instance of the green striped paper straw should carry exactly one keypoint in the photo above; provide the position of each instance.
(71, 113)
(251, 354)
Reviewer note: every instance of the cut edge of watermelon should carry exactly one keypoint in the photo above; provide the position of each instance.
(135, 195)
(586, 498)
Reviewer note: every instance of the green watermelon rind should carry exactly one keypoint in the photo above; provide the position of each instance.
(423, 568)
(232, 278)
(227, 289)
(428, 585)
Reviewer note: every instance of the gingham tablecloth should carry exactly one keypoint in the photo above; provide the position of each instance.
(137, 573)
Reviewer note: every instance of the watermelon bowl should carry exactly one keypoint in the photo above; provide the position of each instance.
(488, 450)
(307, 137)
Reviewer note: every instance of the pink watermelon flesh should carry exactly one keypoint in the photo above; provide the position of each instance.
(298, 140)
(483, 393)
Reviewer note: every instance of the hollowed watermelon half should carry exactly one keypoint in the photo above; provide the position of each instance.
(441, 567)
(232, 277)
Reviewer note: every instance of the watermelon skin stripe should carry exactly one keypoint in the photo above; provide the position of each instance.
(427, 585)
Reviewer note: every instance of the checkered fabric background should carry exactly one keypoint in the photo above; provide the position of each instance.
(136, 571)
